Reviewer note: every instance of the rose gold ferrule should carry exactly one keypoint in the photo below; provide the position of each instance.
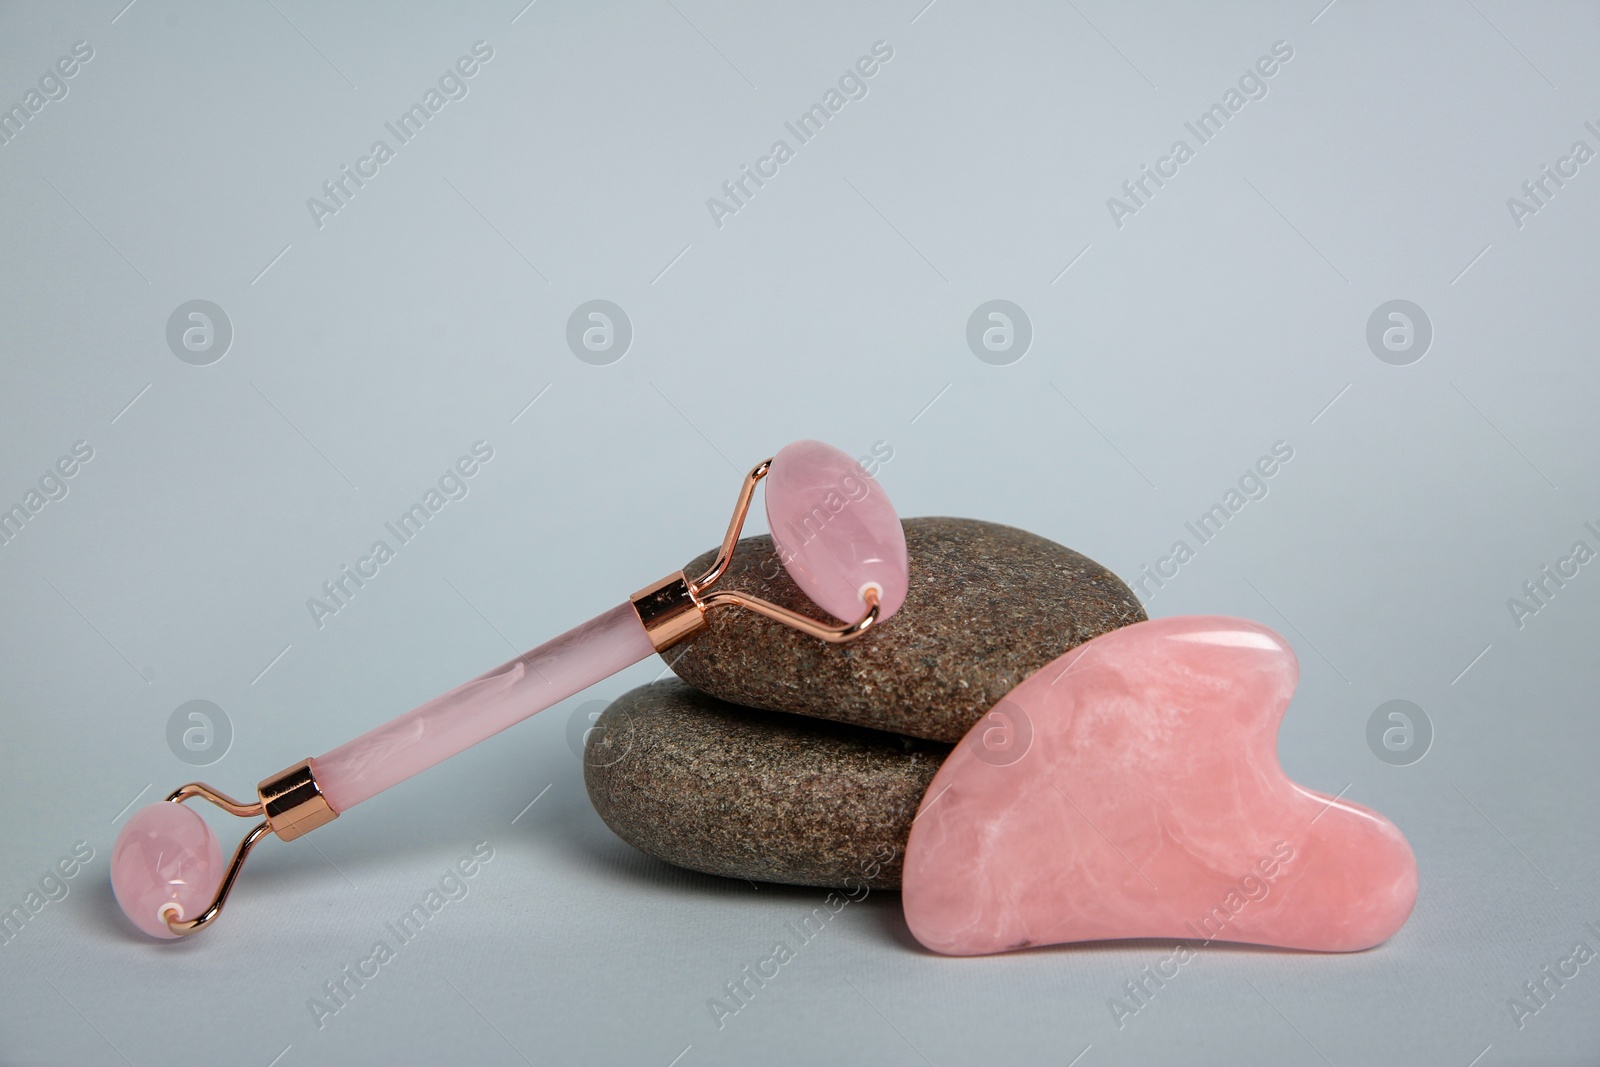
(293, 802)
(669, 611)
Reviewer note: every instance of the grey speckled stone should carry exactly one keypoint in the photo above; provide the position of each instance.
(754, 794)
(988, 606)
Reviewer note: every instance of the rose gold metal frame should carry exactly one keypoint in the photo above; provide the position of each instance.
(189, 926)
(674, 609)
(293, 805)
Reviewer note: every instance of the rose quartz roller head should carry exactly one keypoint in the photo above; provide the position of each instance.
(836, 532)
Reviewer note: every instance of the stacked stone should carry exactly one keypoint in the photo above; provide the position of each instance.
(777, 757)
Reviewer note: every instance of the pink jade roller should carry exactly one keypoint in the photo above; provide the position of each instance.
(836, 532)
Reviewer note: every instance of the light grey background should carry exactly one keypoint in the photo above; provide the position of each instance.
(1168, 354)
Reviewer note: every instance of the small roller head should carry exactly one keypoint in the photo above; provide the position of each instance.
(166, 862)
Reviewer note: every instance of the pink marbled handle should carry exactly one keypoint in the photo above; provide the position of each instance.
(469, 713)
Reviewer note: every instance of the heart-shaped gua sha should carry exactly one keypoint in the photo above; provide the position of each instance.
(1131, 788)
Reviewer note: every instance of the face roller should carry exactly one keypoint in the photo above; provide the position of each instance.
(836, 533)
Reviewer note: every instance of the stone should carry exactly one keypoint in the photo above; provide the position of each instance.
(745, 793)
(987, 606)
(1145, 800)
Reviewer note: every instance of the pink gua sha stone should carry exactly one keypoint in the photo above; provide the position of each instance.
(814, 489)
(1131, 788)
(166, 855)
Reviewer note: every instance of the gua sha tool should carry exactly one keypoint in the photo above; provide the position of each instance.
(1131, 788)
(838, 536)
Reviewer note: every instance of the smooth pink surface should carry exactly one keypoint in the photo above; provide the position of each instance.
(478, 709)
(1131, 788)
(165, 855)
(835, 530)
